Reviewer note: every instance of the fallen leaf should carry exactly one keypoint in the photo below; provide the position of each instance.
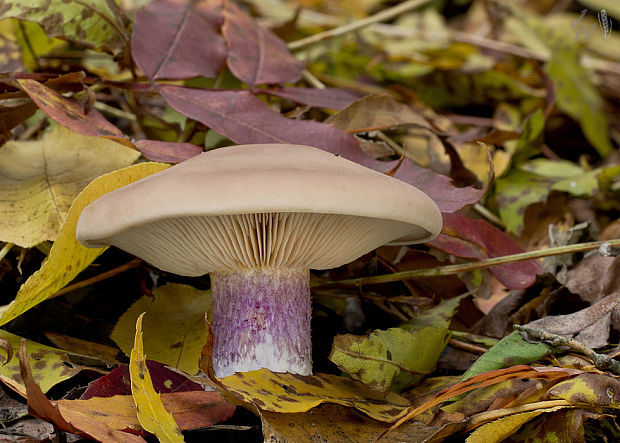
(68, 258)
(39, 180)
(191, 410)
(97, 24)
(329, 98)
(589, 326)
(291, 393)
(594, 277)
(394, 355)
(244, 118)
(589, 389)
(41, 407)
(169, 152)
(438, 316)
(70, 113)
(466, 237)
(49, 366)
(375, 113)
(255, 54)
(167, 36)
(151, 411)
(117, 382)
(562, 425)
(510, 351)
(175, 326)
(336, 423)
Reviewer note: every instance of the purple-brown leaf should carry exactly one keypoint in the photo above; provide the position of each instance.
(330, 98)
(70, 113)
(243, 118)
(176, 39)
(465, 237)
(169, 152)
(255, 54)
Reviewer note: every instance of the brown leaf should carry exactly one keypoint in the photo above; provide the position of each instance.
(175, 39)
(70, 113)
(168, 152)
(11, 116)
(255, 54)
(376, 112)
(594, 277)
(590, 326)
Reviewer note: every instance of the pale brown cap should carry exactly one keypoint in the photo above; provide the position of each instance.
(248, 206)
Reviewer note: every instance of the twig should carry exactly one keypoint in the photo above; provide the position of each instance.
(89, 281)
(472, 266)
(467, 347)
(384, 15)
(601, 361)
(480, 209)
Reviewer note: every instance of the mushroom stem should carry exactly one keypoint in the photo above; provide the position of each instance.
(261, 319)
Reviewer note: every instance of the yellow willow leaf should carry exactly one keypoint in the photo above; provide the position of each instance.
(67, 257)
(39, 180)
(176, 330)
(152, 414)
(290, 393)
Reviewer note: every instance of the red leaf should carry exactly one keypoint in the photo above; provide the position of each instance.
(243, 118)
(118, 382)
(466, 237)
(330, 98)
(70, 113)
(169, 152)
(255, 54)
(176, 39)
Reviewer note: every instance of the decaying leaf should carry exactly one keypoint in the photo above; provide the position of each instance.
(589, 389)
(67, 257)
(151, 411)
(40, 179)
(49, 366)
(175, 327)
(291, 393)
(590, 326)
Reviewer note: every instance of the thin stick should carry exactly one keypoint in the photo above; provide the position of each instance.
(601, 361)
(105, 275)
(465, 267)
(384, 15)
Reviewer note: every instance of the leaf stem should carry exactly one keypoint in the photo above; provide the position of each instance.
(384, 15)
(472, 266)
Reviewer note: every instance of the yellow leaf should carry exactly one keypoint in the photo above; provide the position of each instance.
(49, 365)
(151, 411)
(176, 330)
(67, 257)
(39, 180)
(292, 393)
(498, 430)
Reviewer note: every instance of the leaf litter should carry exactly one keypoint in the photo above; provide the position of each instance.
(408, 92)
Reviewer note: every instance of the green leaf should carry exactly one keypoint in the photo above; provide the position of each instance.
(512, 350)
(96, 24)
(377, 359)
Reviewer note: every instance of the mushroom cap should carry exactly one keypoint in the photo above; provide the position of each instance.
(269, 205)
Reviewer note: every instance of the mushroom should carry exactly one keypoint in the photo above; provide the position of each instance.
(256, 218)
